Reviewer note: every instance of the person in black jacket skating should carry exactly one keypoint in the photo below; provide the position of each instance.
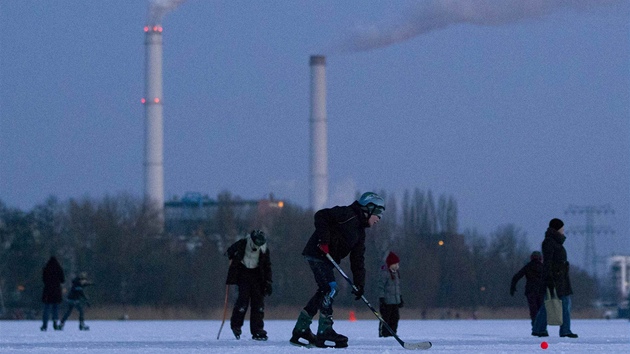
(556, 277)
(250, 270)
(339, 232)
(53, 277)
(534, 285)
(77, 298)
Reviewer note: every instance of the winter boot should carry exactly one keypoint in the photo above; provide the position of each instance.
(260, 335)
(302, 330)
(83, 327)
(43, 328)
(325, 333)
(237, 332)
(56, 326)
(61, 325)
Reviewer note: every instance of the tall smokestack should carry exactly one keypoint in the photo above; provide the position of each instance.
(154, 132)
(319, 140)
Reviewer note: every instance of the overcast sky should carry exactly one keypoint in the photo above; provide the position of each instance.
(517, 111)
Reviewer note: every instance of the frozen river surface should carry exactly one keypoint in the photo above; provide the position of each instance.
(448, 336)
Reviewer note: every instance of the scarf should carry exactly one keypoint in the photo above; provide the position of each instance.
(252, 254)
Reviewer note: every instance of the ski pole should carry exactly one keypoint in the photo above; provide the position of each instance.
(412, 346)
(227, 290)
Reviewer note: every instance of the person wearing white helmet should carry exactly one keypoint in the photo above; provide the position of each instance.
(339, 232)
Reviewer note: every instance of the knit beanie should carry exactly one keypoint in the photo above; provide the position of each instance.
(392, 258)
(556, 224)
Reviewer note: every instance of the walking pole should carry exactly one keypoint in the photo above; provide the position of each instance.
(227, 291)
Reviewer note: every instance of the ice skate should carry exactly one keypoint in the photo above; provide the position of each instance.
(261, 335)
(326, 335)
(237, 333)
(43, 328)
(56, 326)
(83, 327)
(61, 324)
(302, 330)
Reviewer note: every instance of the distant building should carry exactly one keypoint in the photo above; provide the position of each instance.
(620, 269)
(195, 211)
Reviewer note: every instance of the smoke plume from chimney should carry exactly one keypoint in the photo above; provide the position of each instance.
(159, 8)
(435, 14)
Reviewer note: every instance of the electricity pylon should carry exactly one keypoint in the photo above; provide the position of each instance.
(589, 230)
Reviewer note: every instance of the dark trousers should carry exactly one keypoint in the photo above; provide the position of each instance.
(322, 301)
(71, 305)
(540, 325)
(391, 315)
(250, 291)
(48, 308)
(535, 302)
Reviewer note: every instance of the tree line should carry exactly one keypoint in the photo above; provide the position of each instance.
(133, 261)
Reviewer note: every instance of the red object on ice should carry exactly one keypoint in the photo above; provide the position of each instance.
(352, 318)
(544, 345)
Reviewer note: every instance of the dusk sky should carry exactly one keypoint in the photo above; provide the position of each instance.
(517, 111)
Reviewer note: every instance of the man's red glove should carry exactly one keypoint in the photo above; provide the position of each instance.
(324, 248)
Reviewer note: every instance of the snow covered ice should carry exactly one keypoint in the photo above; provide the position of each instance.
(448, 336)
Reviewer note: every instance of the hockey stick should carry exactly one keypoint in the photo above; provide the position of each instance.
(227, 291)
(412, 346)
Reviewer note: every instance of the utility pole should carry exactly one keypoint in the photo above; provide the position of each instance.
(589, 230)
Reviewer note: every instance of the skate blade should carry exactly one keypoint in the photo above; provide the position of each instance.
(300, 344)
(342, 344)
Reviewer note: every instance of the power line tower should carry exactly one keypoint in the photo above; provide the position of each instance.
(589, 230)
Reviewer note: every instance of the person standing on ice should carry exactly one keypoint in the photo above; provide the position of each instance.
(534, 285)
(339, 232)
(250, 270)
(555, 276)
(76, 298)
(53, 277)
(389, 296)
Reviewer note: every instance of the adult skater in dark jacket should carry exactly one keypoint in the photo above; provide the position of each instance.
(339, 231)
(53, 277)
(250, 270)
(555, 276)
(534, 285)
(76, 298)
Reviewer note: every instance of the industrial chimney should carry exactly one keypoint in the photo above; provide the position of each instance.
(154, 132)
(319, 140)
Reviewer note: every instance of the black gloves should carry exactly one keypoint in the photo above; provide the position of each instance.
(357, 291)
(402, 303)
(268, 289)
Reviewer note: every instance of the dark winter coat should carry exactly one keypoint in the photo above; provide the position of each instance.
(236, 252)
(77, 291)
(555, 264)
(532, 272)
(342, 228)
(53, 277)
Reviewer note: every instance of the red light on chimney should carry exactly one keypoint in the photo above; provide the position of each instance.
(155, 28)
(146, 28)
(156, 100)
(160, 29)
(143, 100)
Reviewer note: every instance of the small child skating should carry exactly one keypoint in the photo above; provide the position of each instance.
(76, 298)
(390, 299)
